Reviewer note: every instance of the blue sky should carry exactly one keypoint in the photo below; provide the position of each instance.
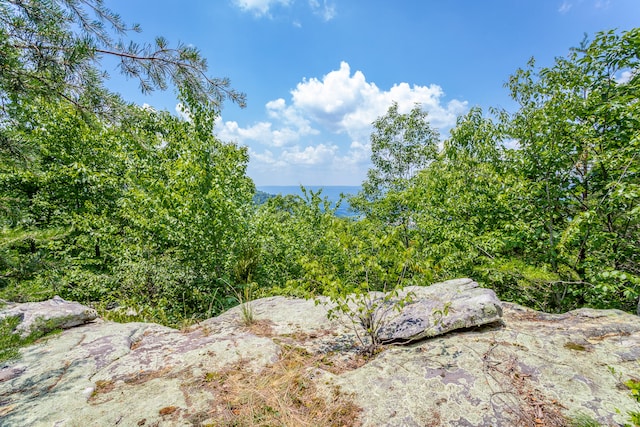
(318, 72)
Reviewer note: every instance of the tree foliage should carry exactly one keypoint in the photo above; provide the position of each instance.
(53, 49)
(149, 210)
(401, 146)
(105, 202)
(553, 222)
(578, 132)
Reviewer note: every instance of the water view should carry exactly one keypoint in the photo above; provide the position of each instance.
(332, 192)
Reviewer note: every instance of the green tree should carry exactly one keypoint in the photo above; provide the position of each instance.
(148, 211)
(289, 231)
(577, 128)
(186, 208)
(53, 203)
(102, 201)
(460, 210)
(401, 146)
(361, 266)
(53, 49)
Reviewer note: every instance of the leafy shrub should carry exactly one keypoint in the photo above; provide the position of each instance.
(368, 314)
(634, 416)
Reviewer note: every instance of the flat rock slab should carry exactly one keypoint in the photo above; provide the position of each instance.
(107, 373)
(46, 316)
(441, 308)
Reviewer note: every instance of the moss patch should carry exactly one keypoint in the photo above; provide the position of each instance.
(11, 341)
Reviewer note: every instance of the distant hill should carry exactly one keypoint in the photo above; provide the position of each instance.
(261, 197)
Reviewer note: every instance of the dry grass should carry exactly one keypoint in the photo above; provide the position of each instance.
(289, 392)
(282, 394)
(334, 362)
(261, 328)
(168, 410)
(338, 365)
(141, 377)
(517, 397)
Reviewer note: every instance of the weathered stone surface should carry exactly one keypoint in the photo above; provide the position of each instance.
(45, 316)
(465, 304)
(490, 376)
(529, 365)
(119, 374)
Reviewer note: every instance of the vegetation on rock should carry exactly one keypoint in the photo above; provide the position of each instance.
(10, 342)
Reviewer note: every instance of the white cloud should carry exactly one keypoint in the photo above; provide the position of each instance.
(266, 157)
(310, 155)
(324, 9)
(259, 7)
(329, 100)
(347, 103)
(320, 164)
(290, 127)
(183, 112)
(323, 131)
(231, 131)
(359, 152)
(290, 116)
(626, 76)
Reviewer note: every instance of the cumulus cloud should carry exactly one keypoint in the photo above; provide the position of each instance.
(329, 100)
(266, 157)
(358, 152)
(183, 112)
(290, 116)
(326, 123)
(289, 129)
(310, 155)
(346, 103)
(231, 131)
(626, 76)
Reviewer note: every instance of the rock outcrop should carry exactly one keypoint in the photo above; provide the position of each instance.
(441, 308)
(46, 316)
(530, 368)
